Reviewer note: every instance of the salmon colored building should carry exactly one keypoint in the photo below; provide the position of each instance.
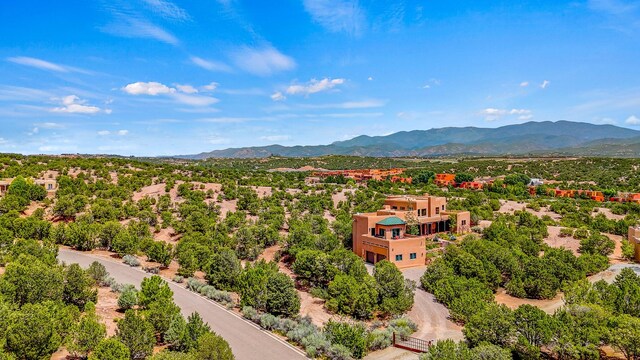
(362, 174)
(634, 239)
(445, 179)
(471, 185)
(382, 235)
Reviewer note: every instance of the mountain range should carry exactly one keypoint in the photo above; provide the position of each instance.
(531, 138)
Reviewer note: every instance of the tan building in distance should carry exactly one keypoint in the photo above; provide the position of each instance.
(51, 185)
(634, 239)
(383, 234)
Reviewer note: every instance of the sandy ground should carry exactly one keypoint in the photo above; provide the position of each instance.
(262, 191)
(106, 309)
(152, 191)
(392, 353)
(609, 214)
(508, 206)
(549, 306)
(341, 196)
(227, 206)
(431, 317)
(32, 208)
(554, 240)
(167, 235)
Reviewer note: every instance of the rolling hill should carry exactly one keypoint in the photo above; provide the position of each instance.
(560, 137)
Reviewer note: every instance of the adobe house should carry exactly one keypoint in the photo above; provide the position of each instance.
(445, 179)
(399, 231)
(51, 185)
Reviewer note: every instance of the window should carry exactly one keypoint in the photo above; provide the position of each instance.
(399, 257)
(442, 207)
(412, 256)
(373, 231)
(395, 233)
(464, 222)
(437, 210)
(381, 232)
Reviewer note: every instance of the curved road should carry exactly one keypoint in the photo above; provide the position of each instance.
(247, 340)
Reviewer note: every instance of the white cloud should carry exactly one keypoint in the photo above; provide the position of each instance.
(277, 96)
(123, 132)
(104, 132)
(38, 63)
(263, 61)
(50, 125)
(545, 84)
(167, 9)
(362, 104)
(370, 78)
(314, 86)
(210, 65)
(147, 88)
(632, 120)
(275, 137)
(492, 114)
(194, 100)
(136, 26)
(187, 89)
(73, 104)
(337, 15)
(211, 86)
(524, 84)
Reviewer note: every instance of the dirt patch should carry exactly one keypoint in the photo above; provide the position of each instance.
(341, 196)
(549, 306)
(152, 191)
(106, 309)
(262, 191)
(608, 214)
(556, 241)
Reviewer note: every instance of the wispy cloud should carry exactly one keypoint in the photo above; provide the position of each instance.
(167, 9)
(613, 7)
(545, 84)
(492, 114)
(314, 86)
(74, 105)
(524, 84)
(187, 89)
(43, 64)
(337, 15)
(131, 23)
(275, 137)
(261, 61)
(210, 64)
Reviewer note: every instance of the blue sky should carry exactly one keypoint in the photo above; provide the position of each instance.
(155, 77)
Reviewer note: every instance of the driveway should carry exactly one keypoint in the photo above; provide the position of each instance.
(431, 316)
(247, 340)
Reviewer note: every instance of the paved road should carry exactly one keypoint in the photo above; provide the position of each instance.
(247, 341)
(431, 316)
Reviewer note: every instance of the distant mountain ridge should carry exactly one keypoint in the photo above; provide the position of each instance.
(560, 137)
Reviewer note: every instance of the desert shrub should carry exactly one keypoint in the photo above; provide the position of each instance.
(131, 260)
(380, 339)
(194, 284)
(128, 297)
(268, 321)
(250, 313)
(178, 279)
(315, 344)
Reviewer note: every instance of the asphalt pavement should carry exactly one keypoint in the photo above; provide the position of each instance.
(247, 340)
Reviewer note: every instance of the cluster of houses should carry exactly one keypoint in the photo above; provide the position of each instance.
(399, 231)
(363, 175)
